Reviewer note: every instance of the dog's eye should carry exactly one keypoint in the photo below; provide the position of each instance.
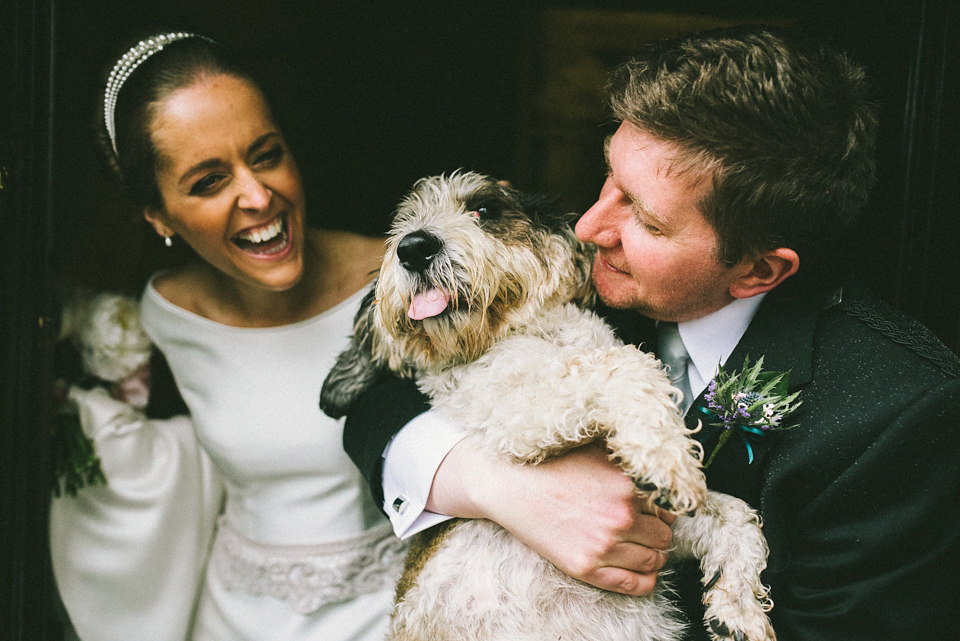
(487, 211)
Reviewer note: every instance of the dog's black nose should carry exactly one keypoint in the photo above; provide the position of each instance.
(417, 249)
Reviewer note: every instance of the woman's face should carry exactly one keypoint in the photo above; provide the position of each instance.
(230, 188)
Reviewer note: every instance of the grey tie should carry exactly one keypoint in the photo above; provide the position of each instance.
(674, 355)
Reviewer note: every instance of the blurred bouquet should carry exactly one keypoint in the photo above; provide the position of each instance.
(114, 352)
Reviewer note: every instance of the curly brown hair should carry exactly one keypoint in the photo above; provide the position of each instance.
(784, 127)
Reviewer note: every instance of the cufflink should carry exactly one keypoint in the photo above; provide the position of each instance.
(399, 503)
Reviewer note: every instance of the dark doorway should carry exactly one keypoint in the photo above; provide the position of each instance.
(376, 94)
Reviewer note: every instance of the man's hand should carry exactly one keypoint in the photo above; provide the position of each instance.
(579, 511)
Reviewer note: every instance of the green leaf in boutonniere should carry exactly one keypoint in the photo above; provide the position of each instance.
(748, 403)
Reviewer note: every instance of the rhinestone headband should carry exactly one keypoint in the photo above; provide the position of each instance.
(124, 67)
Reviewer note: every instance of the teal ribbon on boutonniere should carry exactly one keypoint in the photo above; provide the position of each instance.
(748, 403)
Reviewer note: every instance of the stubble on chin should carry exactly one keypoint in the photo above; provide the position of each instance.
(617, 297)
(624, 295)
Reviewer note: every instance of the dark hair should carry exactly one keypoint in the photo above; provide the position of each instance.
(784, 127)
(177, 65)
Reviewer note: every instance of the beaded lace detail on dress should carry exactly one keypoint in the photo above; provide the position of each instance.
(308, 576)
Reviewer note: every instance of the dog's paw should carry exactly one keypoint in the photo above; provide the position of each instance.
(735, 612)
(655, 449)
(666, 498)
(726, 535)
(670, 476)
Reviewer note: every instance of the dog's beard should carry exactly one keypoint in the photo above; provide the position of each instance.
(472, 320)
(458, 335)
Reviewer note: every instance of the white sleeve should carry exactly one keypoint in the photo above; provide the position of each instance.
(410, 462)
(128, 557)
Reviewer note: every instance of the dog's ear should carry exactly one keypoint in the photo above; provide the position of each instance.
(546, 213)
(357, 368)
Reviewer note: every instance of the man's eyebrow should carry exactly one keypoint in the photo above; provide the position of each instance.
(638, 203)
(641, 207)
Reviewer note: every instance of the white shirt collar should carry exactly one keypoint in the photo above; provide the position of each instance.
(710, 340)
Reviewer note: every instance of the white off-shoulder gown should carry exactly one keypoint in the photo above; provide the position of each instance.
(299, 551)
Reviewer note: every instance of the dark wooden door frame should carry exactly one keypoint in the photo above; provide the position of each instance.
(26, 323)
(907, 238)
(928, 266)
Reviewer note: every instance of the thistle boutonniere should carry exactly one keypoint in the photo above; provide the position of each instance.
(748, 403)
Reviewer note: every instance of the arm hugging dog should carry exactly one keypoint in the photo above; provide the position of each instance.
(482, 299)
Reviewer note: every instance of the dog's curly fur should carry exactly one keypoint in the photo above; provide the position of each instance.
(481, 299)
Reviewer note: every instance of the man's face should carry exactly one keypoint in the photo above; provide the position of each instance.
(656, 252)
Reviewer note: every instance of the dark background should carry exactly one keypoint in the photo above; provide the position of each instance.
(373, 95)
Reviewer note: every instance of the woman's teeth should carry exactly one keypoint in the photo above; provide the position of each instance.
(262, 234)
(270, 239)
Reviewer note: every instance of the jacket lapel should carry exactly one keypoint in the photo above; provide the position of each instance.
(782, 333)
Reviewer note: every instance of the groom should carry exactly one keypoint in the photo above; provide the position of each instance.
(741, 157)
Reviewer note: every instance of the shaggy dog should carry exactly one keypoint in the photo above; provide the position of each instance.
(479, 298)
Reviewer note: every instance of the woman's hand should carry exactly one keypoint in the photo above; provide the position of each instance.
(579, 511)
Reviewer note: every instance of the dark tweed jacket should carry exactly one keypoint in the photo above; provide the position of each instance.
(860, 501)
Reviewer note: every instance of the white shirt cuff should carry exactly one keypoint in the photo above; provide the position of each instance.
(410, 461)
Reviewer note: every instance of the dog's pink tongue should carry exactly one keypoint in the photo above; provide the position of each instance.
(427, 304)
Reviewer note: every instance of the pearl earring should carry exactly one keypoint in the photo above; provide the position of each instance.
(168, 241)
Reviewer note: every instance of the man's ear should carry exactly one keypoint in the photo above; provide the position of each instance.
(156, 218)
(762, 273)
